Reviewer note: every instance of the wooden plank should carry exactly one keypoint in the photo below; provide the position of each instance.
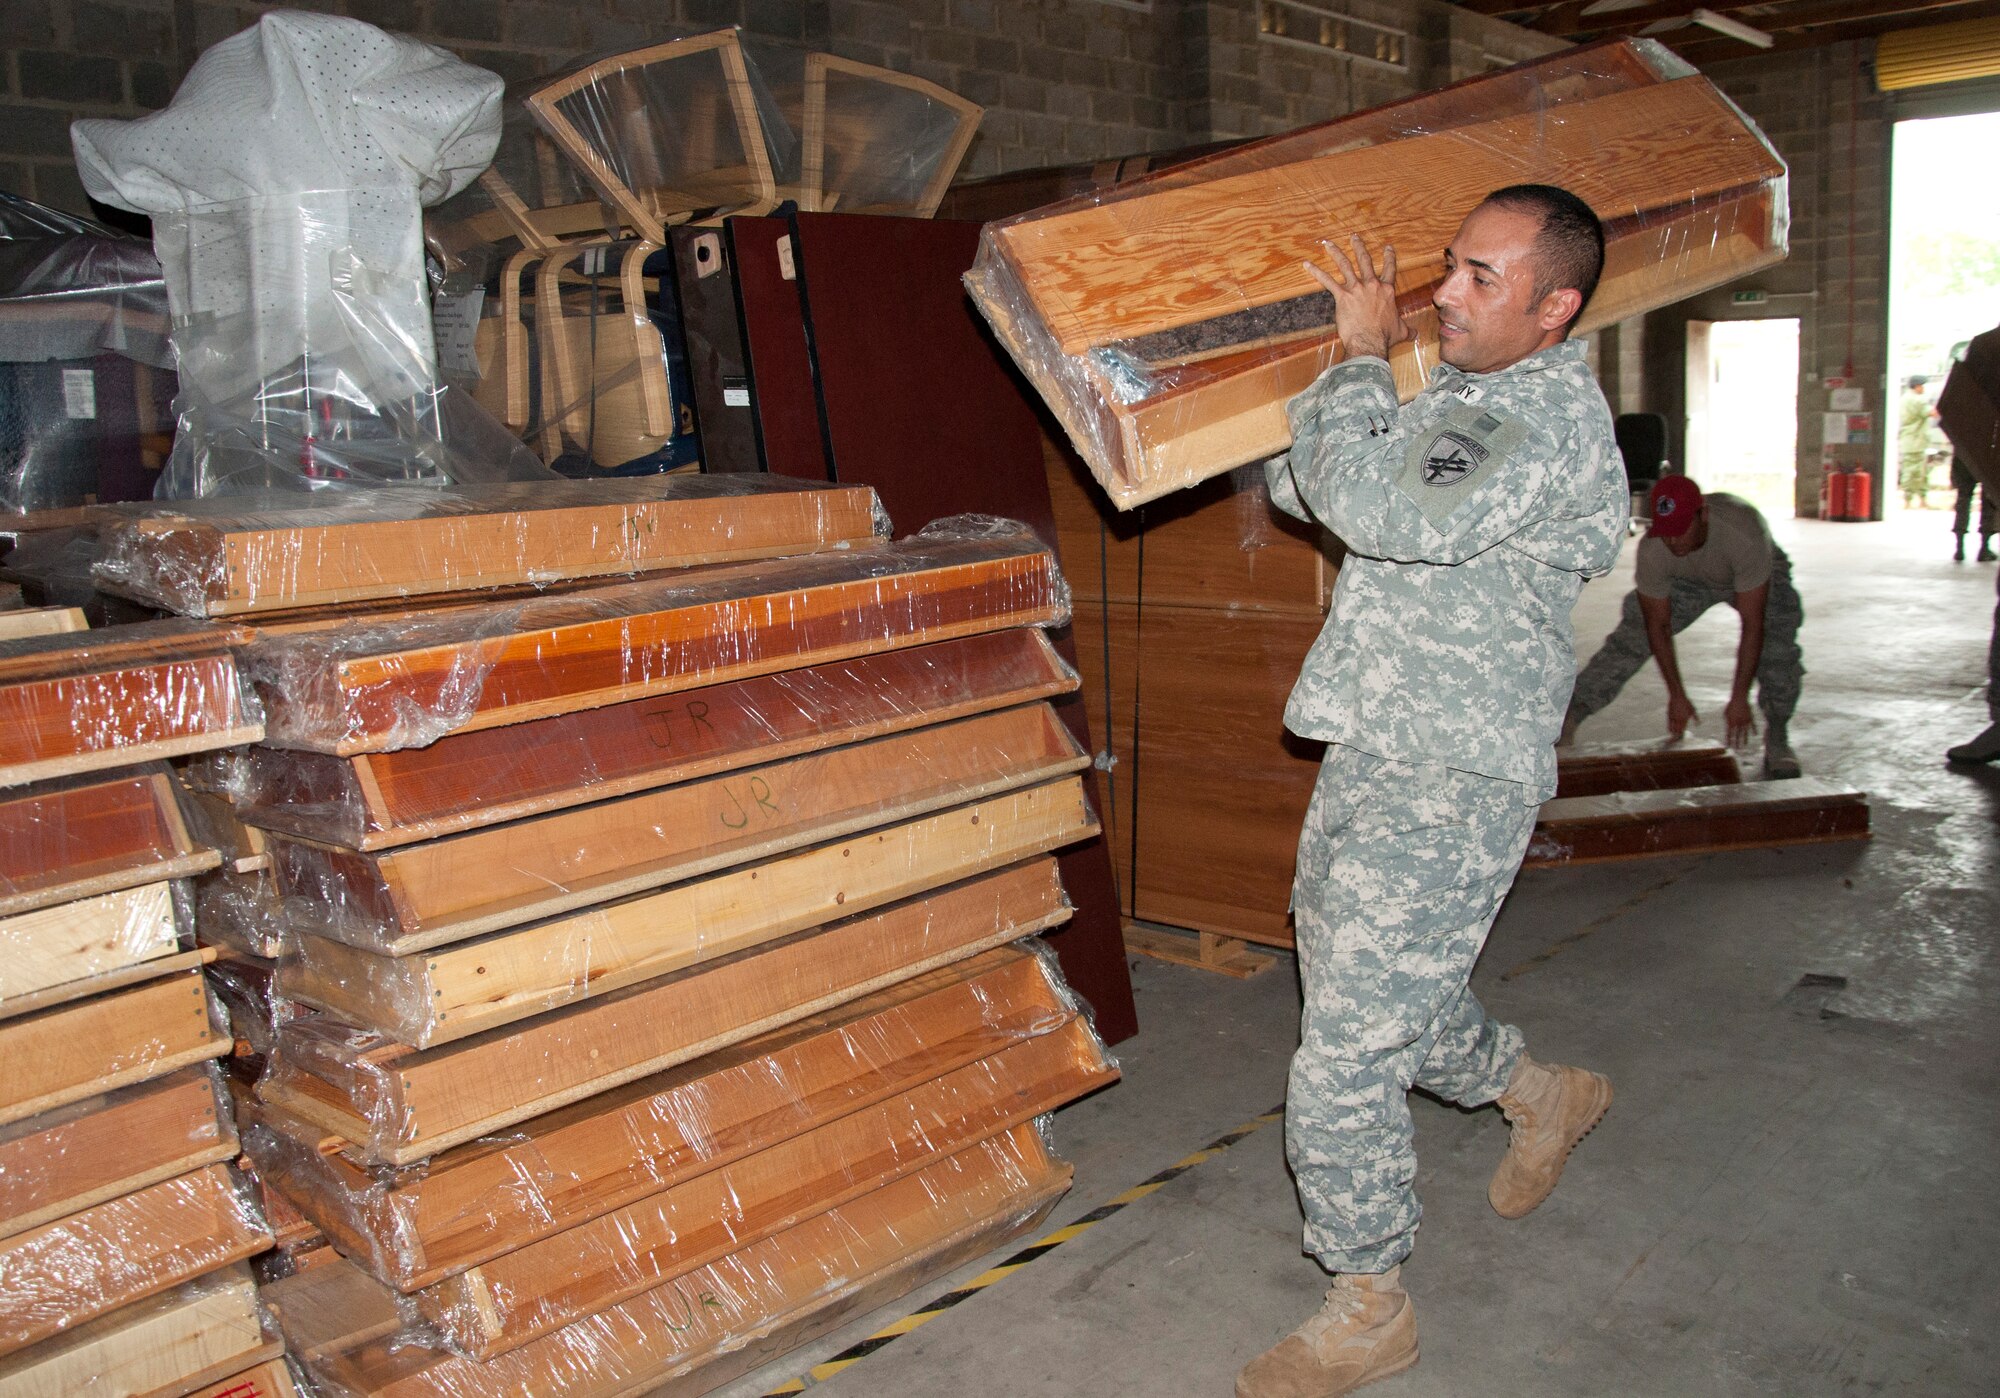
(63, 994)
(74, 941)
(270, 1379)
(1190, 253)
(41, 621)
(463, 989)
(470, 780)
(126, 1249)
(102, 1147)
(443, 891)
(400, 1105)
(117, 697)
(714, 1323)
(1745, 815)
(468, 1205)
(357, 688)
(159, 1348)
(527, 1293)
(76, 1051)
(1594, 769)
(73, 840)
(229, 555)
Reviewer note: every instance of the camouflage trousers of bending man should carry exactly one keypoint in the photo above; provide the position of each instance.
(1401, 871)
(1780, 669)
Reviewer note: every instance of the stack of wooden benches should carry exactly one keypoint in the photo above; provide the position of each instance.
(647, 999)
(123, 1228)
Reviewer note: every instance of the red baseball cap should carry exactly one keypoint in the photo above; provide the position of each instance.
(1676, 502)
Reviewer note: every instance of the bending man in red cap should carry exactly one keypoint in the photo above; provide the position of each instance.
(1702, 550)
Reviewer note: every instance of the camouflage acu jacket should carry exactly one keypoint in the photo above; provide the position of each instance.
(1473, 516)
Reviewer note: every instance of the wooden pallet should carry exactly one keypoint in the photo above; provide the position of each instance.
(1595, 769)
(457, 991)
(350, 688)
(230, 555)
(130, 1035)
(543, 1286)
(412, 1228)
(1696, 820)
(118, 697)
(175, 1344)
(1191, 278)
(97, 1149)
(400, 1105)
(74, 840)
(470, 780)
(121, 1251)
(706, 1328)
(417, 897)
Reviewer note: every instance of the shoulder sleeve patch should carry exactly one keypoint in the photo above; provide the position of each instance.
(1447, 461)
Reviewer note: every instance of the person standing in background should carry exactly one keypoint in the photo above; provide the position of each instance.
(1913, 446)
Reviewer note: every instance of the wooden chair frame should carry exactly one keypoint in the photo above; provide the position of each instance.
(813, 197)
(643, 213)
(566, 396)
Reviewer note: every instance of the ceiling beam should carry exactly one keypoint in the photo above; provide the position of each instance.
(1569, 20)
(1508, 7)
(1792, 16)
(1716, 49)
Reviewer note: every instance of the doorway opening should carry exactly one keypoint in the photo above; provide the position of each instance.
(1944, 283)
(1742, 410)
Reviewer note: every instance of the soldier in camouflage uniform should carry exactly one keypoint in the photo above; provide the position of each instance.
(1986, 746)
(1472, 517)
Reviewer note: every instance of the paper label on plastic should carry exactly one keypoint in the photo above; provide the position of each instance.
(735, 397)
(455, 318)
(79, 394)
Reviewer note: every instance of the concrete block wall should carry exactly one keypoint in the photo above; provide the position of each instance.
(1820, 109)
(1062, 80)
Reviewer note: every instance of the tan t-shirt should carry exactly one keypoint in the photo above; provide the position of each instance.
(1736, 557)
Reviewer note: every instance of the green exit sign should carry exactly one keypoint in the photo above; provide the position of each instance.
(1748, 298)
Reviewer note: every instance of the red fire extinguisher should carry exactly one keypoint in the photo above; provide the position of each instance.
(1860, 496)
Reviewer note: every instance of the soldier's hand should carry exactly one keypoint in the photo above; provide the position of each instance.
(1364, 302)
(1680, 713)
(1738, 722)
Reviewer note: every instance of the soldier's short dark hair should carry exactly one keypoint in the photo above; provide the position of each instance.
(1569, 251)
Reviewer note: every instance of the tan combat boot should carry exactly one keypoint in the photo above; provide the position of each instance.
(1367, 1330)
(1549, 1109)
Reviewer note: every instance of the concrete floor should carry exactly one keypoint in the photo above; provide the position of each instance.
(1795, 1191)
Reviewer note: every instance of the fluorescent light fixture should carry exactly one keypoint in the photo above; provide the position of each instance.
(1734, 28)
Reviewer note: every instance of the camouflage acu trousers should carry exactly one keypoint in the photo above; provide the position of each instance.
(1401, 871)
(1780, 669)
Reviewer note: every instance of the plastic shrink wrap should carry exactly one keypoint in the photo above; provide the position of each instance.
(1969, 408)
(997, 1034)
(285, 183)
(121, 695)
(468, 781)
(398, 1104)
(711, 1324)
(1169, 319)
(232, 555)
(66, 840)
(365, 686)
(86, 376)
